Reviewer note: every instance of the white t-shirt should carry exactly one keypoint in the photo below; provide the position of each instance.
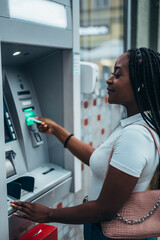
(134, 153)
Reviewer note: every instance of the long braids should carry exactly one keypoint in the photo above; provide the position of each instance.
(144, 71)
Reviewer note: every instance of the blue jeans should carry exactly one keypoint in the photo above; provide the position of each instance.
(94, 232)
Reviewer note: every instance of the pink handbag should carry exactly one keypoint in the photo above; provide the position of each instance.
(139, 217)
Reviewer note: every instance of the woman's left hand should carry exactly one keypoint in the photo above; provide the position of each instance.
(31, 211)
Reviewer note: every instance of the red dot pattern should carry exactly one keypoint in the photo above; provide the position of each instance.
(94, 102)
(102, 131)
(82, 167)
(95, 120)
(86, 122)
(106, 99)
(85, 104)
(98, 117)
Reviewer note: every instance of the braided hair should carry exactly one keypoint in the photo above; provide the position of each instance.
(144, 72)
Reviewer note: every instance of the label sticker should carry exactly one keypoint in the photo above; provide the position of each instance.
(76, 63)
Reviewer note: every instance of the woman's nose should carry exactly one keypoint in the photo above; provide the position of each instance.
(109, 80)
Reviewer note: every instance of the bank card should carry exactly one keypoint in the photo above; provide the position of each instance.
(35, 120)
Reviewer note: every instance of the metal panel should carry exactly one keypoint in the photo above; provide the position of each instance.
(47, 79)
(56, 194)
(76, 89)
(69, 18)
(65, 2)
(68, 105)
(3, 190)
(33, 156)
(28, 54)
(14, 31)
(4, 10)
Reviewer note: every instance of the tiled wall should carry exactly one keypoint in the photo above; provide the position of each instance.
(98, 118)
(68, 231)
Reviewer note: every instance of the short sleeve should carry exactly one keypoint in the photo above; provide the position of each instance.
(131, 152)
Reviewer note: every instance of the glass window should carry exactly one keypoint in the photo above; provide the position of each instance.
(145, 15)
(102, 3)
(101, 39)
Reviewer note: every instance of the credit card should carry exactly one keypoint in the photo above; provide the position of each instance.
(35, 120)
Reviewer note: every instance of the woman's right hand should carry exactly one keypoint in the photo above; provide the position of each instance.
(79, 149)
(47, 126)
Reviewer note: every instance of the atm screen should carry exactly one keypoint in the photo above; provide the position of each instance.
(29, 113)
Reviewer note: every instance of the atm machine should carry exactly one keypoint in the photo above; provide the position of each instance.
(39, 76)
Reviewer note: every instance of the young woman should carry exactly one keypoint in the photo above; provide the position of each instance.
(135, 84)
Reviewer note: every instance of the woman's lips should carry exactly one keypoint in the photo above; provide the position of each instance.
(110, 90)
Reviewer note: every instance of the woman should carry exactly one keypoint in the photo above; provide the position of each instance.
(135, 84)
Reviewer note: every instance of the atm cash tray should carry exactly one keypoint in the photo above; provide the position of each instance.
(47, 177)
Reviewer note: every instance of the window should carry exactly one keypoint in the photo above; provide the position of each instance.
(102, 41)
(102, 4)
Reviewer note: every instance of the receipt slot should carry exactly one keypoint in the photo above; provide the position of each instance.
(10, 169)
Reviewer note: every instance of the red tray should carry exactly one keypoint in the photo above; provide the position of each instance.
(41, 232)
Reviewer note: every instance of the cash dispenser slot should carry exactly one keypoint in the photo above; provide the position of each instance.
(15, 188)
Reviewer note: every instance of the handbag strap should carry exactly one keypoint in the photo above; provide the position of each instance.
(155, 141)
(154, 138)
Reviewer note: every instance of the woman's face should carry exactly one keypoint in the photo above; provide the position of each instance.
(119, 86)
